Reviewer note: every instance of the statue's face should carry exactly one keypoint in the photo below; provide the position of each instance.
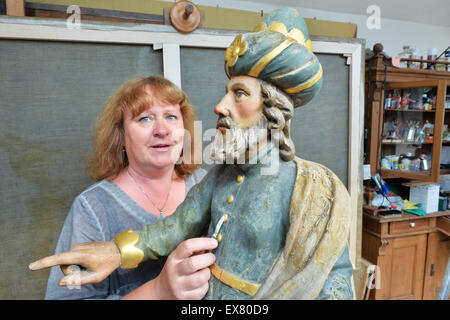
(241, 126)
(242, 102)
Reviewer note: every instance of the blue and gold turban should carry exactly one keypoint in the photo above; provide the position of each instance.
(279, 52)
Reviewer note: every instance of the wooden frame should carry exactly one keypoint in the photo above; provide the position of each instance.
(170, 41)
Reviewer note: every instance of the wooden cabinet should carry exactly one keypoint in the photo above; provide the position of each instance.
(387, 125)
(410, 253)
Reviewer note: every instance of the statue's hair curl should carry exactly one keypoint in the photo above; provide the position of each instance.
(279, 110)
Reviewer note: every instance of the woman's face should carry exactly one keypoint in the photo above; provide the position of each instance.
(154, 138)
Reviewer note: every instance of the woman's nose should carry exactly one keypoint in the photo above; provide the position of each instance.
(161, 128)
(222, 108)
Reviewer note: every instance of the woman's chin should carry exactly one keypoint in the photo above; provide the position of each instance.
(164, 158)
(163, 161)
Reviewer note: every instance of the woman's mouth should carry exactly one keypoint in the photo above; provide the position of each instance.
(161, 147)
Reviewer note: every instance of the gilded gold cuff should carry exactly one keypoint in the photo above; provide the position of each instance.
(130, 254)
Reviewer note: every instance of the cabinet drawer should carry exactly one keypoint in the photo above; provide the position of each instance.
(409, 226)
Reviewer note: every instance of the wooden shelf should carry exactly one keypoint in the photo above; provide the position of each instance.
(404, 216)
(391, 143)
(410, 110)
(421, 175)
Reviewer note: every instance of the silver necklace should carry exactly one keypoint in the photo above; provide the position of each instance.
(147, 196)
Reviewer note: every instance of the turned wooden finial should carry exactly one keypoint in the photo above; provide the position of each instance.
(377, 48)
(185, 16)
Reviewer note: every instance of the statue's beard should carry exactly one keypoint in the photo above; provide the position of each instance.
(231, 146)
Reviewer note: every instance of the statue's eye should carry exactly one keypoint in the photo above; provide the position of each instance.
(240, 93)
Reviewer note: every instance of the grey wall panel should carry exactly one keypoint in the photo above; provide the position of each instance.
(50, 95)
(320, 129)
(203, 79)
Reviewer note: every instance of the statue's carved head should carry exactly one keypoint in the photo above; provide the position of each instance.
(278, 51)
(272, 70)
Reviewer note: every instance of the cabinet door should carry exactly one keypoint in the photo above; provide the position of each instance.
(438, 251)
(411, 135)
(445, 148)
(404, 272)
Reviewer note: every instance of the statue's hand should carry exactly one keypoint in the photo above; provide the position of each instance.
(97, 259)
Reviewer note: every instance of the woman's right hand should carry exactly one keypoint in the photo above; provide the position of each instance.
(184, 276)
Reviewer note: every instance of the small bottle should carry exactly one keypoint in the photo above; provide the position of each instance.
(395, 101)
(424, 102)
(415, 54)
(432, 55)
(443, 58)
(447, 58)
(404, 102)
(387, 103)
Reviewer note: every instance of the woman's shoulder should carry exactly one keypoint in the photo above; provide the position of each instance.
(101, 186)
(103, 192)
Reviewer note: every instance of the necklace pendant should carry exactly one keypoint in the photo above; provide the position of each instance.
(161, 214)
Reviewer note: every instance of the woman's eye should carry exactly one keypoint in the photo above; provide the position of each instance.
(172, 117)
(144, 119)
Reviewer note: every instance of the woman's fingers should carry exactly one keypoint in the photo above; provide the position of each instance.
(197, 293)
(196, 263)
(186, 272)
(191, 246)
(197, 279)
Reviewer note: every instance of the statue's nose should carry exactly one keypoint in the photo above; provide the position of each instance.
(221, 108)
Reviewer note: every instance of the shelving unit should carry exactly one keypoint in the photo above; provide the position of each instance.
(382, 78)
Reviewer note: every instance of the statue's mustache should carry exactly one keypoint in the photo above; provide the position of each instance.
(225, 122)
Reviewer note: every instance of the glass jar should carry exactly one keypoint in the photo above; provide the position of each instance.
(406, 53)
(432, 55)
(415, 54)
(442, 67)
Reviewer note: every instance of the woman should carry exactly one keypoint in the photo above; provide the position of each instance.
(138, 141)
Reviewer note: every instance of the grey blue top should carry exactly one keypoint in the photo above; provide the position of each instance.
(98, 214)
